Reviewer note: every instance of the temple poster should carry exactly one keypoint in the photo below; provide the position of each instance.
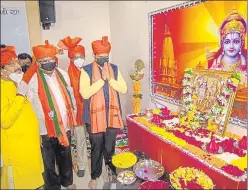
(206, 35)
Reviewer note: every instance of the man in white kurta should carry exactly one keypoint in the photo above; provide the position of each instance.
(48, 86)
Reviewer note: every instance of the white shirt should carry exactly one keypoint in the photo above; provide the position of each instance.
(34, 99)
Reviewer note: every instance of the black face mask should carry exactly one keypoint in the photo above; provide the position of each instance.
(25, 68)
(48, 66)
(101, 61)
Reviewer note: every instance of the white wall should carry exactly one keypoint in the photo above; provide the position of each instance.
(130, 41)
(86, 19)
(12, 4)
(14, 26)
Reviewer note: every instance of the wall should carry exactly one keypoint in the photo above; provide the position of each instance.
(86, 19)
(13, 4)
(14, 27)
(33, 17)
(130, 41)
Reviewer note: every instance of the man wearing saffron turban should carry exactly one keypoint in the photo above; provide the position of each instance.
(53, 100)
(76, 53)
(20, 140)
(100, 85)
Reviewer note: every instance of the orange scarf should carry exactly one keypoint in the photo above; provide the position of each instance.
(74, 74)
(98, 108)
(53, 120)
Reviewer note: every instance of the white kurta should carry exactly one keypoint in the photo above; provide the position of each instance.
(33, 97)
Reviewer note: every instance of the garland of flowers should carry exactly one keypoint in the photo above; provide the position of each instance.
(161, 132)
(189, 143)
(182, 143)
(190, 178)
(192, 118)
(215, 161)
(138, 96)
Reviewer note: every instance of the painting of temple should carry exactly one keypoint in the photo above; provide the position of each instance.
(216, 39)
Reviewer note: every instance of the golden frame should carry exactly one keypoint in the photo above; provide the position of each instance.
(218, 77)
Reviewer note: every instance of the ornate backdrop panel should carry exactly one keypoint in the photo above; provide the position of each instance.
(198, 34)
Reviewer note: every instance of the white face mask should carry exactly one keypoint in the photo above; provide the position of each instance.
(16, 77)
(79, 63)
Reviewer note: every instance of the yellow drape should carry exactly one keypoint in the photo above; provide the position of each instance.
(20, 140)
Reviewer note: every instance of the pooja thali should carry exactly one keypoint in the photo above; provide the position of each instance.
(148, 170)
(126, 177)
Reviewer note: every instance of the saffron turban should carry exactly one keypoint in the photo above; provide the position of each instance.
(101, 46)
(72, 46)
(7, 54)
(46, 50)
(40, 52)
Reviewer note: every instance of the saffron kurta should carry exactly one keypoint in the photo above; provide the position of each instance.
(20, 140)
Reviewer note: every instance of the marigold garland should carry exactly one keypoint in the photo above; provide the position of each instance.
(190, 177)
(213, 160)
(190, 116)
(193, 149)
(161, 132)
(217, 162)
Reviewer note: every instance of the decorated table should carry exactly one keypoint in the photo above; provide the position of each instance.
(176, 146)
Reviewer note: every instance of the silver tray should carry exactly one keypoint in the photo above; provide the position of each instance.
(128, 181)
(149, 170)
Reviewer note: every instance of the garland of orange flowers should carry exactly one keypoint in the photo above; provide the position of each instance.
(211, 159)
(161, 132)
(137, 96)
(217, 162)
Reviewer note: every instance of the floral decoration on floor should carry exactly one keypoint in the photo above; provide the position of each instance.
(124, 160)
(190, 178)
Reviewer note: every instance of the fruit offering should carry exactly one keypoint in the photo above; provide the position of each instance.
(124, 160)
(126, 177)
(190, 178)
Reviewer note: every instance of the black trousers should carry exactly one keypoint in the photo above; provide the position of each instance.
(52, 151)
(102, 145)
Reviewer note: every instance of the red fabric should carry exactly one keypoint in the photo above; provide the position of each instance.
(171, 157)
(30, 72)
(46, 50)
(101, 46)
(71, 44)
(74, 74)
(7, 54)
